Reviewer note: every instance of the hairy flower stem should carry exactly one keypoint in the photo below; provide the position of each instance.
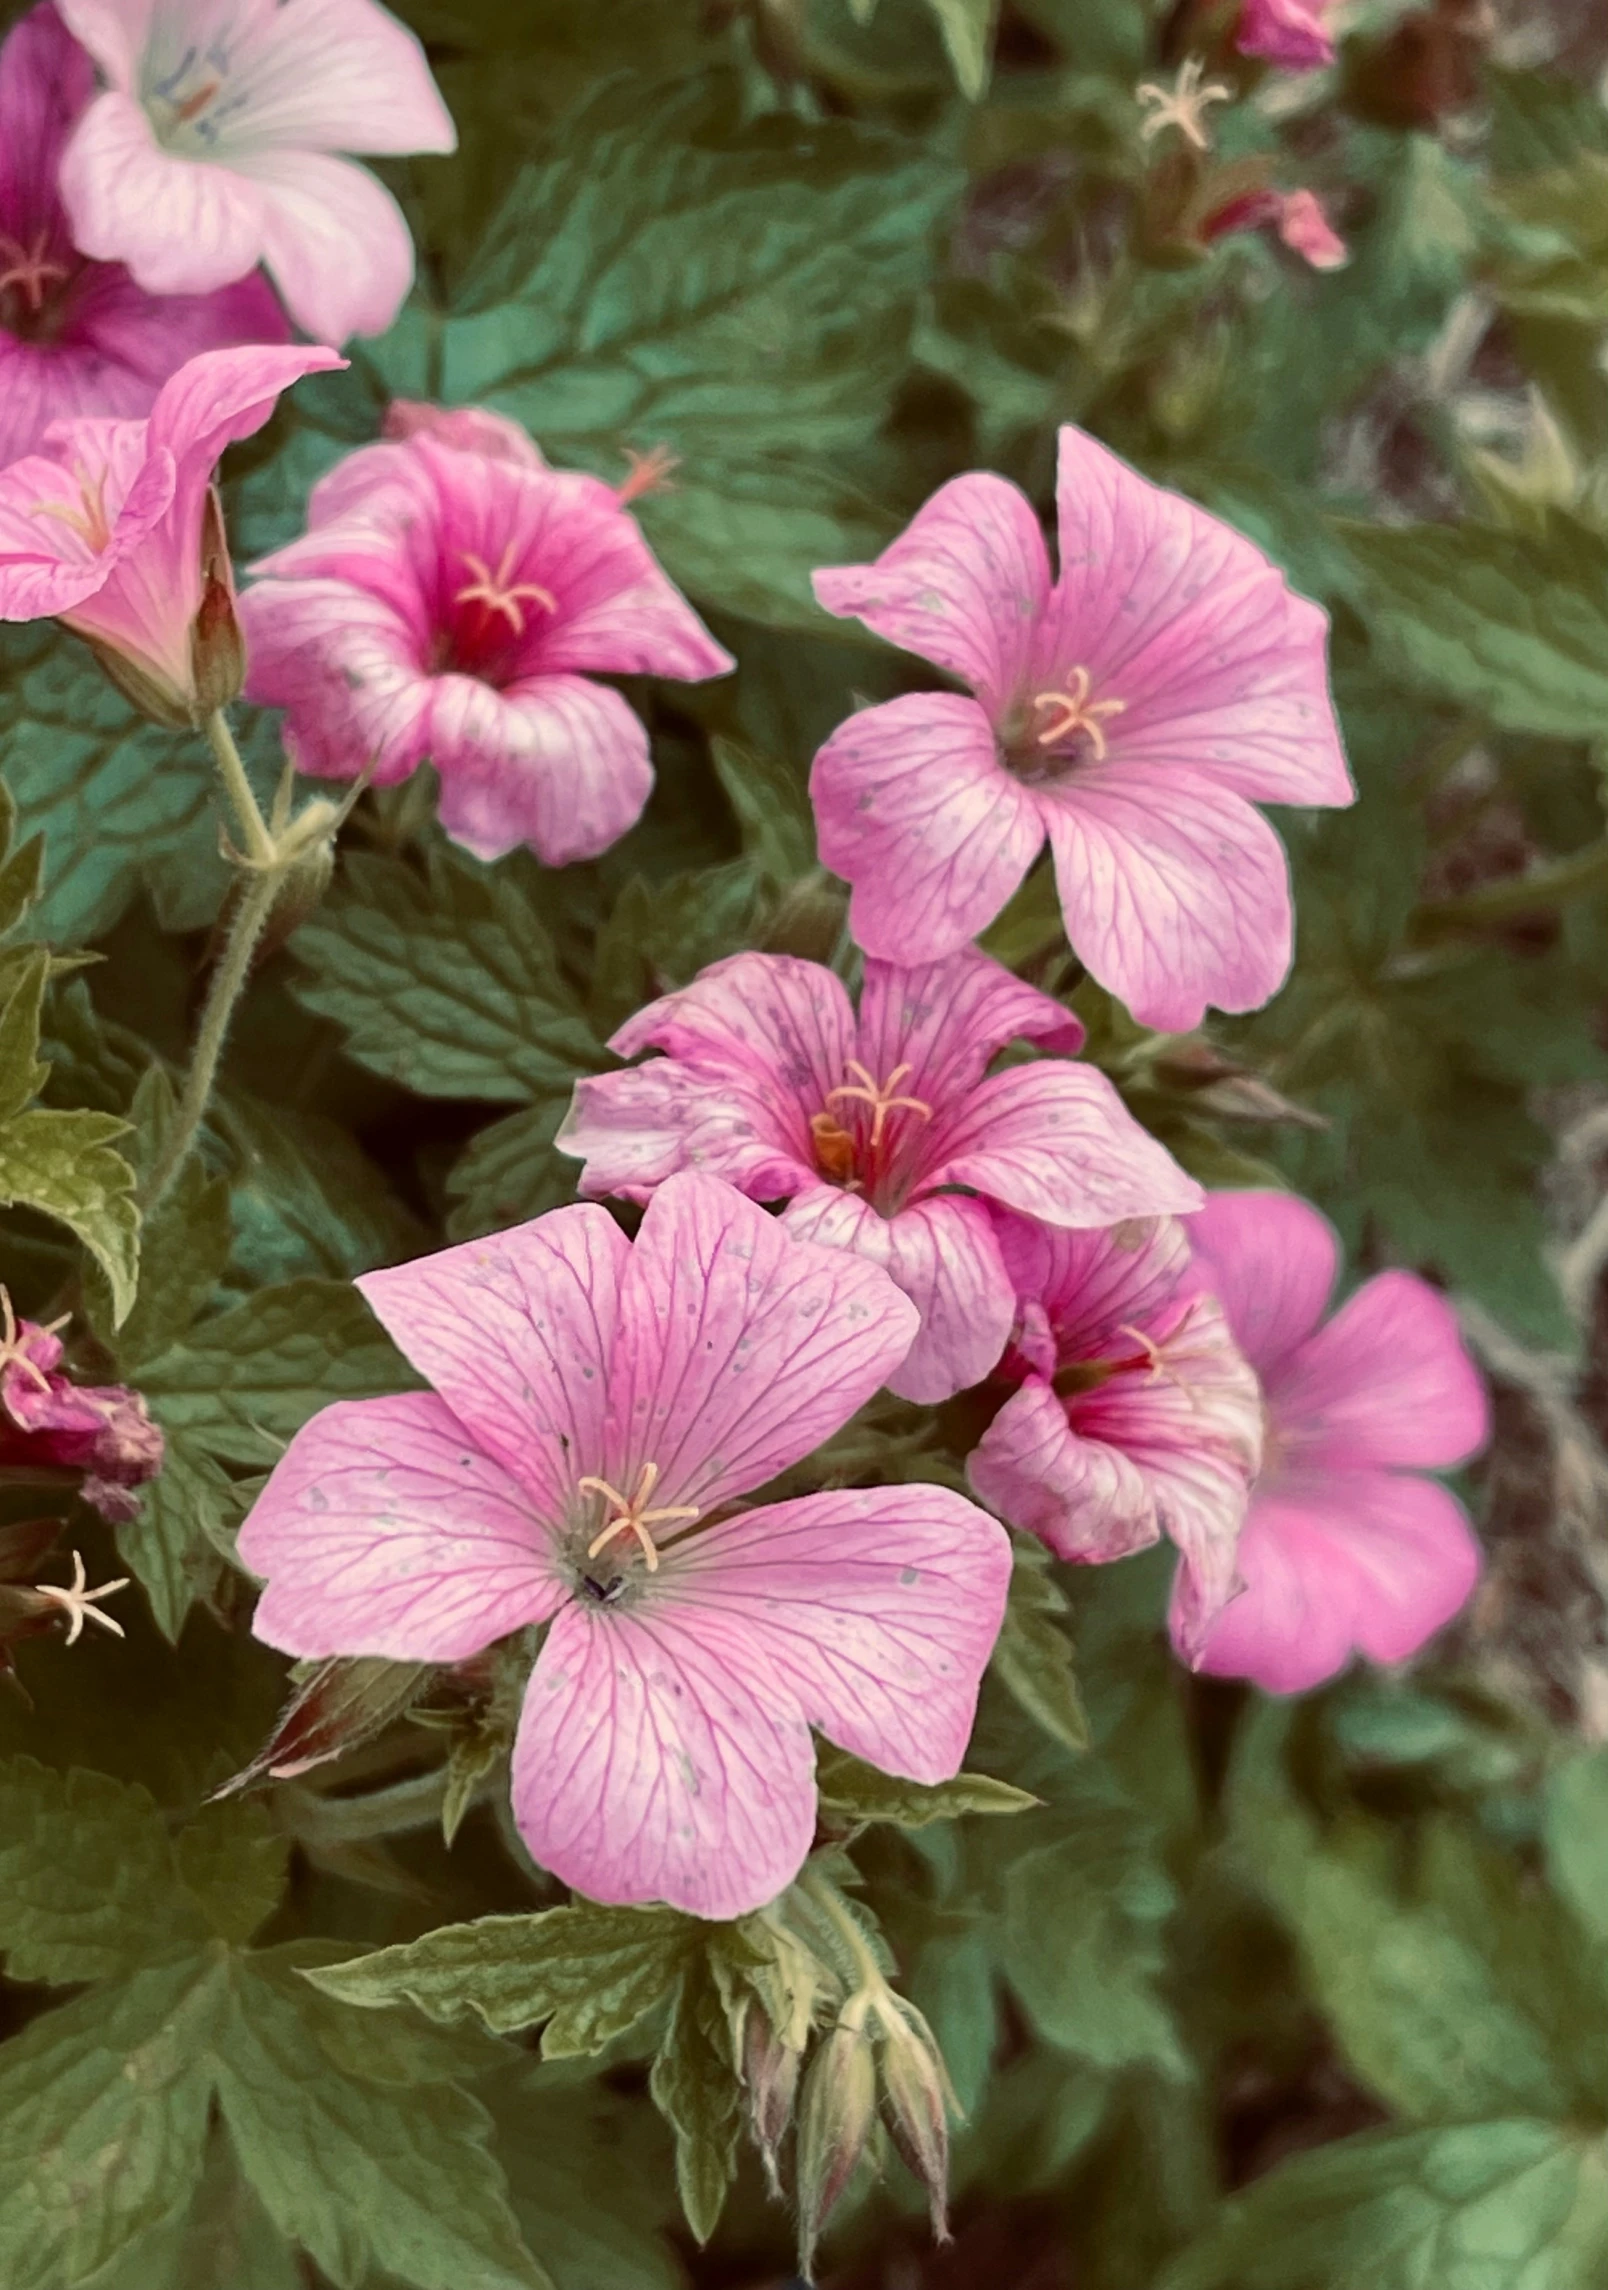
(830, 1902)
(259, 843)
(228, 981)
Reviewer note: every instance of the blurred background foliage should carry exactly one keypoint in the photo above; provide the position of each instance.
(1260, 1997)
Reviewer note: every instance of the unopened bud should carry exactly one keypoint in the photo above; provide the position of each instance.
(217, 648)
(770, 2077)
(916, 2095)
(835, 2119)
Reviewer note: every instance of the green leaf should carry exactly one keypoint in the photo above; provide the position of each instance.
(741, 293)
(1508, 2205)
(852, 1791)
(224, 2237)
(62, 1164)
(88, 1883)
(304, 1197)
(695, 2088)
(660, 935)
(771, 800)
(562, 2143)
(177, 1545)
(449, 986)
(1511, 623)
(21, 1074)
(589, 1972)
(968, 30)
(185, 1245)
(233, 1858)
(1033, 1656)
(510, 1172)
(1576, 1830)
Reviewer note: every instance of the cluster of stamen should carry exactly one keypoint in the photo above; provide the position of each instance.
(89, 520)
(1071, 710)
(882, 1096)
(28, 270)
(77, 1601)
(500, 593)
(14, 1351)
(1183, 105)
(633, 1517)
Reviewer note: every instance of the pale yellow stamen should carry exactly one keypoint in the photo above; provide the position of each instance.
(89, 520)
(1183, 105)
(1072, 710)
(634, 1516)
(77, 1602)
(14, 1346)
(881, 1096)
(499, 593)
(1159, 1372)
(649, 472)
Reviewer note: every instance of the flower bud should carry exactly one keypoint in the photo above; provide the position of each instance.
(770, 2077)
(916, 2096)
(217, 648)
(839, 2108)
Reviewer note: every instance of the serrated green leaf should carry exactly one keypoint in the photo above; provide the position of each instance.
(185, 1245)
(968, 30)
(660, 935)
(304, 1199)
(21, 1073)
(695, 2087)
(852, 1791)
(232, 1858)
(176, 1546)
(1576, 1831)
(88, 1884)
(63, 1165)
(589, 1972)
(223, 2237)
(562, 2144)
(1033, 1657)
(772, 805)
(510, 1172)
(450, 987)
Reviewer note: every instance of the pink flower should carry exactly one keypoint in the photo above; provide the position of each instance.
(111, 526)
(211, 149)
(450, 602)
(79, 337)
(870, 1128)
(595, 1401)
(1297, 217)
(1135, 1413)
(1345, 1546)
(1287, 32)
(49, 1423)
(1127, 712)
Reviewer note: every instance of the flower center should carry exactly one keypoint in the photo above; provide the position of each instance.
(28, 271)
(1148, 1357)
(183, 105)
(497, 593)
(632, 1515)
(1068, 713)
(89, 520)
(856, 1157)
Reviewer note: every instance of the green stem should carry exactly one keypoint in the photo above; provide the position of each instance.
(259, 843)
(228, 982)
(411, 1804)
(830, 1902)
(1570, 878)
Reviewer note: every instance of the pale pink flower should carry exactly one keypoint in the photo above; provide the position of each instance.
(212, 148)
(881, 1133)
(1297, 217)
(1291, 33)
(1346, 1547)
(450, 603)
(1127, 711)
(79, 337)
(594, 1403)
(49, 1423)
(110, 527)
(1135, 1415)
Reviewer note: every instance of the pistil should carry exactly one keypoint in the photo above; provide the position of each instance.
(500, 593)
(1071, 710)
(28, 270)
(881, 1096)
(634, 1517)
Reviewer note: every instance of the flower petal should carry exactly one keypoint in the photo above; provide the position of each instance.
(1290, 33)
(1086, 1500)
(947, 1019)
(46, 567)
(1271, 1261)
(515, 1333)
(114, 31)
(344, 664)
(913, 808)
(1387, 1382)
(1175, 892)
(943, 1255)
(739, 1347)
(962, 586)
(634, 1129)
(1055, 1141)
(334, 75)
(333, 239)
(559, 763)
(183, 226)
(384, 1530)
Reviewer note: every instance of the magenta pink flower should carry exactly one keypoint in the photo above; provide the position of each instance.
(1135, 1414)
(212, 149)
(49, 1423)
(598, 1401)
(1345, 1546)
(1297, 217)
(449, 604)
(104, 528)
(79, 337)
(881, 1133)
(1287, 32)
(1127, 711)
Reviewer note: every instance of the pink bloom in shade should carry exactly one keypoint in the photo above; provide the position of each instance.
(1345, 1546)
(79, 337)
(1127, 711)
(881, 1132)
(212, 148)
(47, 1422)
(596, 1402)
(450, 603)
(1135, 1414)
(104, 528)
(472, 429)
(1297, 217)
(1286, 32)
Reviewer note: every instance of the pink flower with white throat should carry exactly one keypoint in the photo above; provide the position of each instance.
(112, 527)
(79, 337)
(214, 144)
(1290, 33)
(1135, 1413)
(450, 603)
(880, 1131)
(1347, 1546)
(1130, 711)
(599, 1408)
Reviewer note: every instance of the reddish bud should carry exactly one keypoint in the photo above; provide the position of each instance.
(835, 2119)
(770, 2078)
(916, 2098)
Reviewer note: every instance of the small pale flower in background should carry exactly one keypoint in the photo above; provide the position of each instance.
(48, 1422)
(214, 144)
(1135, 1413)
(111, 527)
(1184, 105)
(1129, 711)
(870, 1127)
(599, 1407)
(1347, 1547)
(1297, 217)
(1290, 33)
(450, 603)
(79, 337)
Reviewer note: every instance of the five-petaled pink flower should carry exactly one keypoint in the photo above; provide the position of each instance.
(1345, 1546)
(79, 337)
(49, 1423)
(450, 603)
(111, 527)
(599, 1408)
(1128, 711)
(1136, 1414)
(1287, 32)
(212, 148)
(881, 1133)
